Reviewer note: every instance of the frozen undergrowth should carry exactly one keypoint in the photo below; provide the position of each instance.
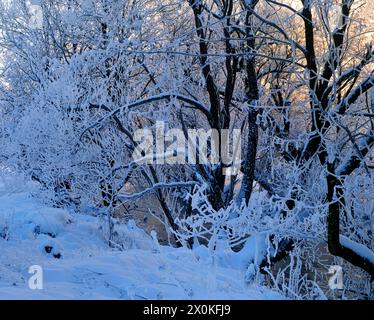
(80, 265)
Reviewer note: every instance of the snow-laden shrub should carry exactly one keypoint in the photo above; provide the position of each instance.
(244, 237)
(45, 140)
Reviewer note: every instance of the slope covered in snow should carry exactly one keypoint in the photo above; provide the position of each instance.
(78, 264)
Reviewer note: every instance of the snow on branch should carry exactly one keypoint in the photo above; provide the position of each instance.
(353, 160)
(165, 96)
(160, 185)
(358, 248)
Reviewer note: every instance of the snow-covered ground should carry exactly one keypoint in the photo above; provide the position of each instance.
(78, 264)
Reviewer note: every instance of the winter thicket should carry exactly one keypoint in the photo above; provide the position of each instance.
(295, 77)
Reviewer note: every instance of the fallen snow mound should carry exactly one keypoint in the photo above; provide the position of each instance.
(78, 264)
